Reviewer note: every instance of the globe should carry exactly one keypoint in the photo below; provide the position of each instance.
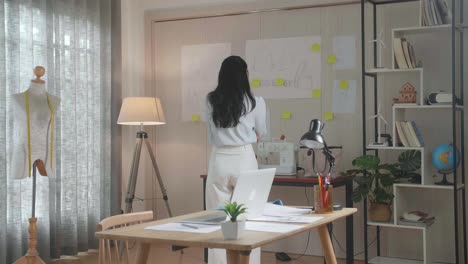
(443, 156)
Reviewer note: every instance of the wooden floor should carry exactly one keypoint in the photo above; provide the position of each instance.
(190, 256)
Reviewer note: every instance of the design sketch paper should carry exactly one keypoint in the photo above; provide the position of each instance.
(344, 47)
(284, 67)
(344, 99)
(180, 227)
(200, 66)
(288, 219)
(271, 227)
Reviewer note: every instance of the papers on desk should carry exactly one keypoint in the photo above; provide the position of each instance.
(182, 227)
(280, 210)
(271, 227)
(288, 219)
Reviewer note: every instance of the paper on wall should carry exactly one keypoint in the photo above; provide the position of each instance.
(200, 66)
(344, 48)
(344, 100)
(284, 67)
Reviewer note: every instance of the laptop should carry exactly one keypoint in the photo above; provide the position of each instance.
(252, 190)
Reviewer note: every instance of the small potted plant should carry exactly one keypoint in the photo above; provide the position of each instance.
(233, 228)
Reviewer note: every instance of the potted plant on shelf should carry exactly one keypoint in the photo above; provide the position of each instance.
(409, 162)
(374, 182)
(233, 228)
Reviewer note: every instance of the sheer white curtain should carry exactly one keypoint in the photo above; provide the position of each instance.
(71, 39)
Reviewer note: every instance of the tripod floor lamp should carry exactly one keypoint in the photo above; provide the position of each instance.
(142, 111)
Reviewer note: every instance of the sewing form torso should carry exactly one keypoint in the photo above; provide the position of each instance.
(40, 130)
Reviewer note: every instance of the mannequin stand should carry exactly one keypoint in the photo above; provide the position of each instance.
(130, 196)
(32, 256)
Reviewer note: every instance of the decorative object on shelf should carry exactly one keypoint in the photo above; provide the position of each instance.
(32, 256)
(445, 158)
(387, 138)
(416, 218)
(379, 117)
(439, 98)
(141, 111)
(374, 182)
(233, 228)
(409, 162)
(379, 41)
(407, 95)
(313, 139)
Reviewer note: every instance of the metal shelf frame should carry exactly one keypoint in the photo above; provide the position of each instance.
(457, 136)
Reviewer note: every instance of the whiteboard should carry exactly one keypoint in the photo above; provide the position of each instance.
(284, 67)
(199, 63)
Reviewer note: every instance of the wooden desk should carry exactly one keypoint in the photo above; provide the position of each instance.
(238, 251)
(346, 182)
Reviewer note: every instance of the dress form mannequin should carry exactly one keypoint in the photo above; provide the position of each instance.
(40, 127)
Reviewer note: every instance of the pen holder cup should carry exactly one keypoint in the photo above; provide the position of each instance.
(323, 201)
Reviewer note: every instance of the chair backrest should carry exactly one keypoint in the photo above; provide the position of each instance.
(118, 251)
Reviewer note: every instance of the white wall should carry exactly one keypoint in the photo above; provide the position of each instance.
(133, 75)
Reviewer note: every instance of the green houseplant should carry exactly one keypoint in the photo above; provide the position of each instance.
(409, 162)
(232, 229)
(375, 181)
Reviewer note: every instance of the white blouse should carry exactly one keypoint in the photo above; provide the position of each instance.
(250, 124)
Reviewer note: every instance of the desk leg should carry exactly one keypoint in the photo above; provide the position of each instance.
(237, 257)
(326, 244)
(349, 224)
(142, 253)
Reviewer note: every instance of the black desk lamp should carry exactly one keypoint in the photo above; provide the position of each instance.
(313, 139)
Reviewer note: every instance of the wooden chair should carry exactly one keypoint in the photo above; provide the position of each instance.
(111, 252)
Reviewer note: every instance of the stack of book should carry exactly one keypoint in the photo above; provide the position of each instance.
(408, 134)
(416, 218)
(435, 12)
(404, 54)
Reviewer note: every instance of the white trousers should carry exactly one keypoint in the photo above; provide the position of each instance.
(224, 167)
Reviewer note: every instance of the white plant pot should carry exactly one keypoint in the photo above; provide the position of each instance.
(232, 230)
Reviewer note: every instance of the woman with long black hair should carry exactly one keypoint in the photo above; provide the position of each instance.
(236, 120)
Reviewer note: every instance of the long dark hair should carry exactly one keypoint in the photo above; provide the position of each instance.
(228, 99)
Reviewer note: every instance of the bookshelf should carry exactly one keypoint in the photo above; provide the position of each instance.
(445, 240)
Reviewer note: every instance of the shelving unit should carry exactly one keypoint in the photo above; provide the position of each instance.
(387, 260)
(406, 194)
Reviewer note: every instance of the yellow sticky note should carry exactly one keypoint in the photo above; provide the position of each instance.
(331, 59)
(279, 82)
(328, 116)
(256, 83)
(315, 47)
(344, 85)
(286, 115)
(316, 93)
(195, 117)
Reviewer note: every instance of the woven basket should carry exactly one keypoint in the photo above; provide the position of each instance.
(379, 212)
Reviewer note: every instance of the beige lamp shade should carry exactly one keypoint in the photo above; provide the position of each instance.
(137, 111)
